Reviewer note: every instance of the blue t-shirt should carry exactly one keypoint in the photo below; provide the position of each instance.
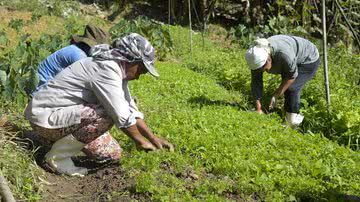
(57, 61)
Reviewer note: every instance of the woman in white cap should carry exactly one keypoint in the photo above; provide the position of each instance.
(295, 58)
(75, 111)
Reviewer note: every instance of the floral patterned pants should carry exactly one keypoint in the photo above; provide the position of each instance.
(93, 131)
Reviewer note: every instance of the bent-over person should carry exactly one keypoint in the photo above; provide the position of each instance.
(295, 59)
(75, 111)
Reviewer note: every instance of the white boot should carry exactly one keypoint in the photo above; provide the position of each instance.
(59, 157)
(294, 119)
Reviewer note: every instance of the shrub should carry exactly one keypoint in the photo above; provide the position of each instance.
(157, 33)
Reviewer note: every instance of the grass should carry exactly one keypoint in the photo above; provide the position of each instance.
(16, 164)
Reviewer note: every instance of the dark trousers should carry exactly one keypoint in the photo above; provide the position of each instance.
(292, 95)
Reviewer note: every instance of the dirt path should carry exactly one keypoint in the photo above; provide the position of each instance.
(109, 183)
(105, 182)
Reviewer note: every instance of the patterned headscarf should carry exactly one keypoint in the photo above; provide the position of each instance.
(131, 48)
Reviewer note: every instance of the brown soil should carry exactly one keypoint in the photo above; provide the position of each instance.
(105, 181)
(106, 184)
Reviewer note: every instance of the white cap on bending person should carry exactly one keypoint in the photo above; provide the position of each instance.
(257, 55)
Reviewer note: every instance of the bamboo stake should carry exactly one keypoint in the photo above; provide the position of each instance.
(189, 2)
(327, 89)
(169, 12)
(5, 192)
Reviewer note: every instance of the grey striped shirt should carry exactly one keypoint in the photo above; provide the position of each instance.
(287, 53)
(58, 104)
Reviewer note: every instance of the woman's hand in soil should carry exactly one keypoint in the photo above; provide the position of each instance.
(157, 142)
(146, 146)
(161, 143)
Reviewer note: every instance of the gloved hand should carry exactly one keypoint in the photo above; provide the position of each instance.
(272, 103)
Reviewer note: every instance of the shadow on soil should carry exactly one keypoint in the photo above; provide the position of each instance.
(205, 101)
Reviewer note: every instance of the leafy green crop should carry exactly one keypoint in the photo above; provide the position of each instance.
(229, 68)
(18, 68)
(222, 150)
(16, 24)
(4, 41)
(343, 124)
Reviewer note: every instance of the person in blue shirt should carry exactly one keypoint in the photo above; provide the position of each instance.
(79, 49)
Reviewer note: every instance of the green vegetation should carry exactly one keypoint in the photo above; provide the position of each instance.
(47, 7)
(222, 149)
(16, 161)
(343, 124)
(228, 67)
(154, 31)
(202, 104)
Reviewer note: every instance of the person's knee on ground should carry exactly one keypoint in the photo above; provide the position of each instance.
(94, 123)
(103, 149)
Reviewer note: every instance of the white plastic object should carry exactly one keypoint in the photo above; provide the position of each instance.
(256, 57)
(294, 119)
(59, 157)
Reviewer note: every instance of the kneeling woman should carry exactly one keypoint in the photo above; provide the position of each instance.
(75, 110)
(295, 58)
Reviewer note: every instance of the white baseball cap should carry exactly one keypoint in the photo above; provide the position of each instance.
(256, 57)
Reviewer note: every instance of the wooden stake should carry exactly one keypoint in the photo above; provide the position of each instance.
(189, 2)
(5, 192)
(327, 89)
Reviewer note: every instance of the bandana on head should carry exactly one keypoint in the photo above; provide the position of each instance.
(131, 48)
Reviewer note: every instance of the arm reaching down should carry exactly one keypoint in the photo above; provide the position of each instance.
(156, 141)
(136, 136)
(140, 132)
(285, 84)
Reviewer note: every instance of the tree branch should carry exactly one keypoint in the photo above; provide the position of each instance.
(348, 23)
